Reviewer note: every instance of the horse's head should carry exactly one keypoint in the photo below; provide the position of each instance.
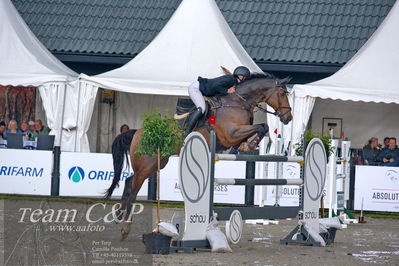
(277, 98)
(263, 87)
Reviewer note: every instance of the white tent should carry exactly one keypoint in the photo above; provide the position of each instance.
(372, 75)
(26, 62)
(196, 41)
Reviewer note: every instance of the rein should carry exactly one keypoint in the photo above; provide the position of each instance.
(276, 113)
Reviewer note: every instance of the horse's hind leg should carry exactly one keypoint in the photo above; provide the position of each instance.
(136, 185)
(127, 190)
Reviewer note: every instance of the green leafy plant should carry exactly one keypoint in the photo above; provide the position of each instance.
(161, 137)
(161, 132)
(309, 135)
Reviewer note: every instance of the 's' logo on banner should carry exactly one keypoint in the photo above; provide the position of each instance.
(393, 175)
(76, 174)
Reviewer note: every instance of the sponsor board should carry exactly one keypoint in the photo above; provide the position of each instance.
(289, 195)
(25, 171)
(377, 187)
(90, 174)
(170, 187)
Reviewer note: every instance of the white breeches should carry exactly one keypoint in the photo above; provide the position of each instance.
(196, 95)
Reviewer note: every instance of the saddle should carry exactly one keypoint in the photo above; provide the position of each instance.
(185, 107)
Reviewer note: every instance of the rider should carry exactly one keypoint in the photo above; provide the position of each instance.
(210, 87)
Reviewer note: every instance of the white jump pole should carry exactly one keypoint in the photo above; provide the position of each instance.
(332, 177)
(346, 154)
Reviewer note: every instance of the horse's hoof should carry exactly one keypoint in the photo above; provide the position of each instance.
(123, 235)
(243, 147)
(254, 143)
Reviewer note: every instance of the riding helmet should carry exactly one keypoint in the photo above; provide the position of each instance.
(242, 70)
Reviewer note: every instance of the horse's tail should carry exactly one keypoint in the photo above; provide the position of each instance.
(120, 151)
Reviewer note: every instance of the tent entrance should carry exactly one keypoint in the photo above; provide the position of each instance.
(128, 108)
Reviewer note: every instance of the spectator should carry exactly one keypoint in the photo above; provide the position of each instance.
(12, 128)
(386, 143)
(2, 129)
(124, 128)
(390, 154)
(25, 130)
(31, 126)
(371, 152)
(39, 129)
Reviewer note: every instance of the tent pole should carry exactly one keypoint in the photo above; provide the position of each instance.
(62, 116)
(292, 126)
(55, 175)
(77, 116)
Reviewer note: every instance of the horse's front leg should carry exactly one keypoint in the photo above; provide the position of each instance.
(262, 130)
(238, 133)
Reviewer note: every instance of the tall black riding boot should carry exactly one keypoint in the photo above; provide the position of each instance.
(193, 120)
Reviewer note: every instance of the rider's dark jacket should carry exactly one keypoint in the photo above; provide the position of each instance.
(220, 85)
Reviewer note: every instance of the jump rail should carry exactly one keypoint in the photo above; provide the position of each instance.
(257, 182)
(258, 158)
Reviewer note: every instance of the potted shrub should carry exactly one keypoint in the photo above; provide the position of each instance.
(309, 135)
(161, 138)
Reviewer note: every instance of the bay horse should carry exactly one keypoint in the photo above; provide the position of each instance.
(234, 126)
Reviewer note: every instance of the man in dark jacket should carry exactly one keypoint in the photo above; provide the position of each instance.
(210, 87)
(371, 152)
(390, 154)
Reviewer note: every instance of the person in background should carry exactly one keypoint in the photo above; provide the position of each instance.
(40, 129)
(12, 128)
(390, 154)
(124, 128)
(27, 134)
(2, 129)
(31, 126)
(386, 143)
(371, 152)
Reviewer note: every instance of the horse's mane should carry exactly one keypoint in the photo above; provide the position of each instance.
(259, 75)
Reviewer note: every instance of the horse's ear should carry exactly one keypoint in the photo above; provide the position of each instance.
(284, 80)
(226, 71)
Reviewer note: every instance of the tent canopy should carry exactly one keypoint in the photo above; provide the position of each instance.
(372, 75)
(196, 41)
(24, 60)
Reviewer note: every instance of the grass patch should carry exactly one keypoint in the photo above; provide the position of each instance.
(383, 216)
(378, 215)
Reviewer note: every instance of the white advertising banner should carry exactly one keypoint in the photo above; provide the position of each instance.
(90, 174)
(170, 189)
(377, 187)
(289, 194)
(25, 172)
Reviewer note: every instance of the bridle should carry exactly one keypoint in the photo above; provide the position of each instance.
(280, 107)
